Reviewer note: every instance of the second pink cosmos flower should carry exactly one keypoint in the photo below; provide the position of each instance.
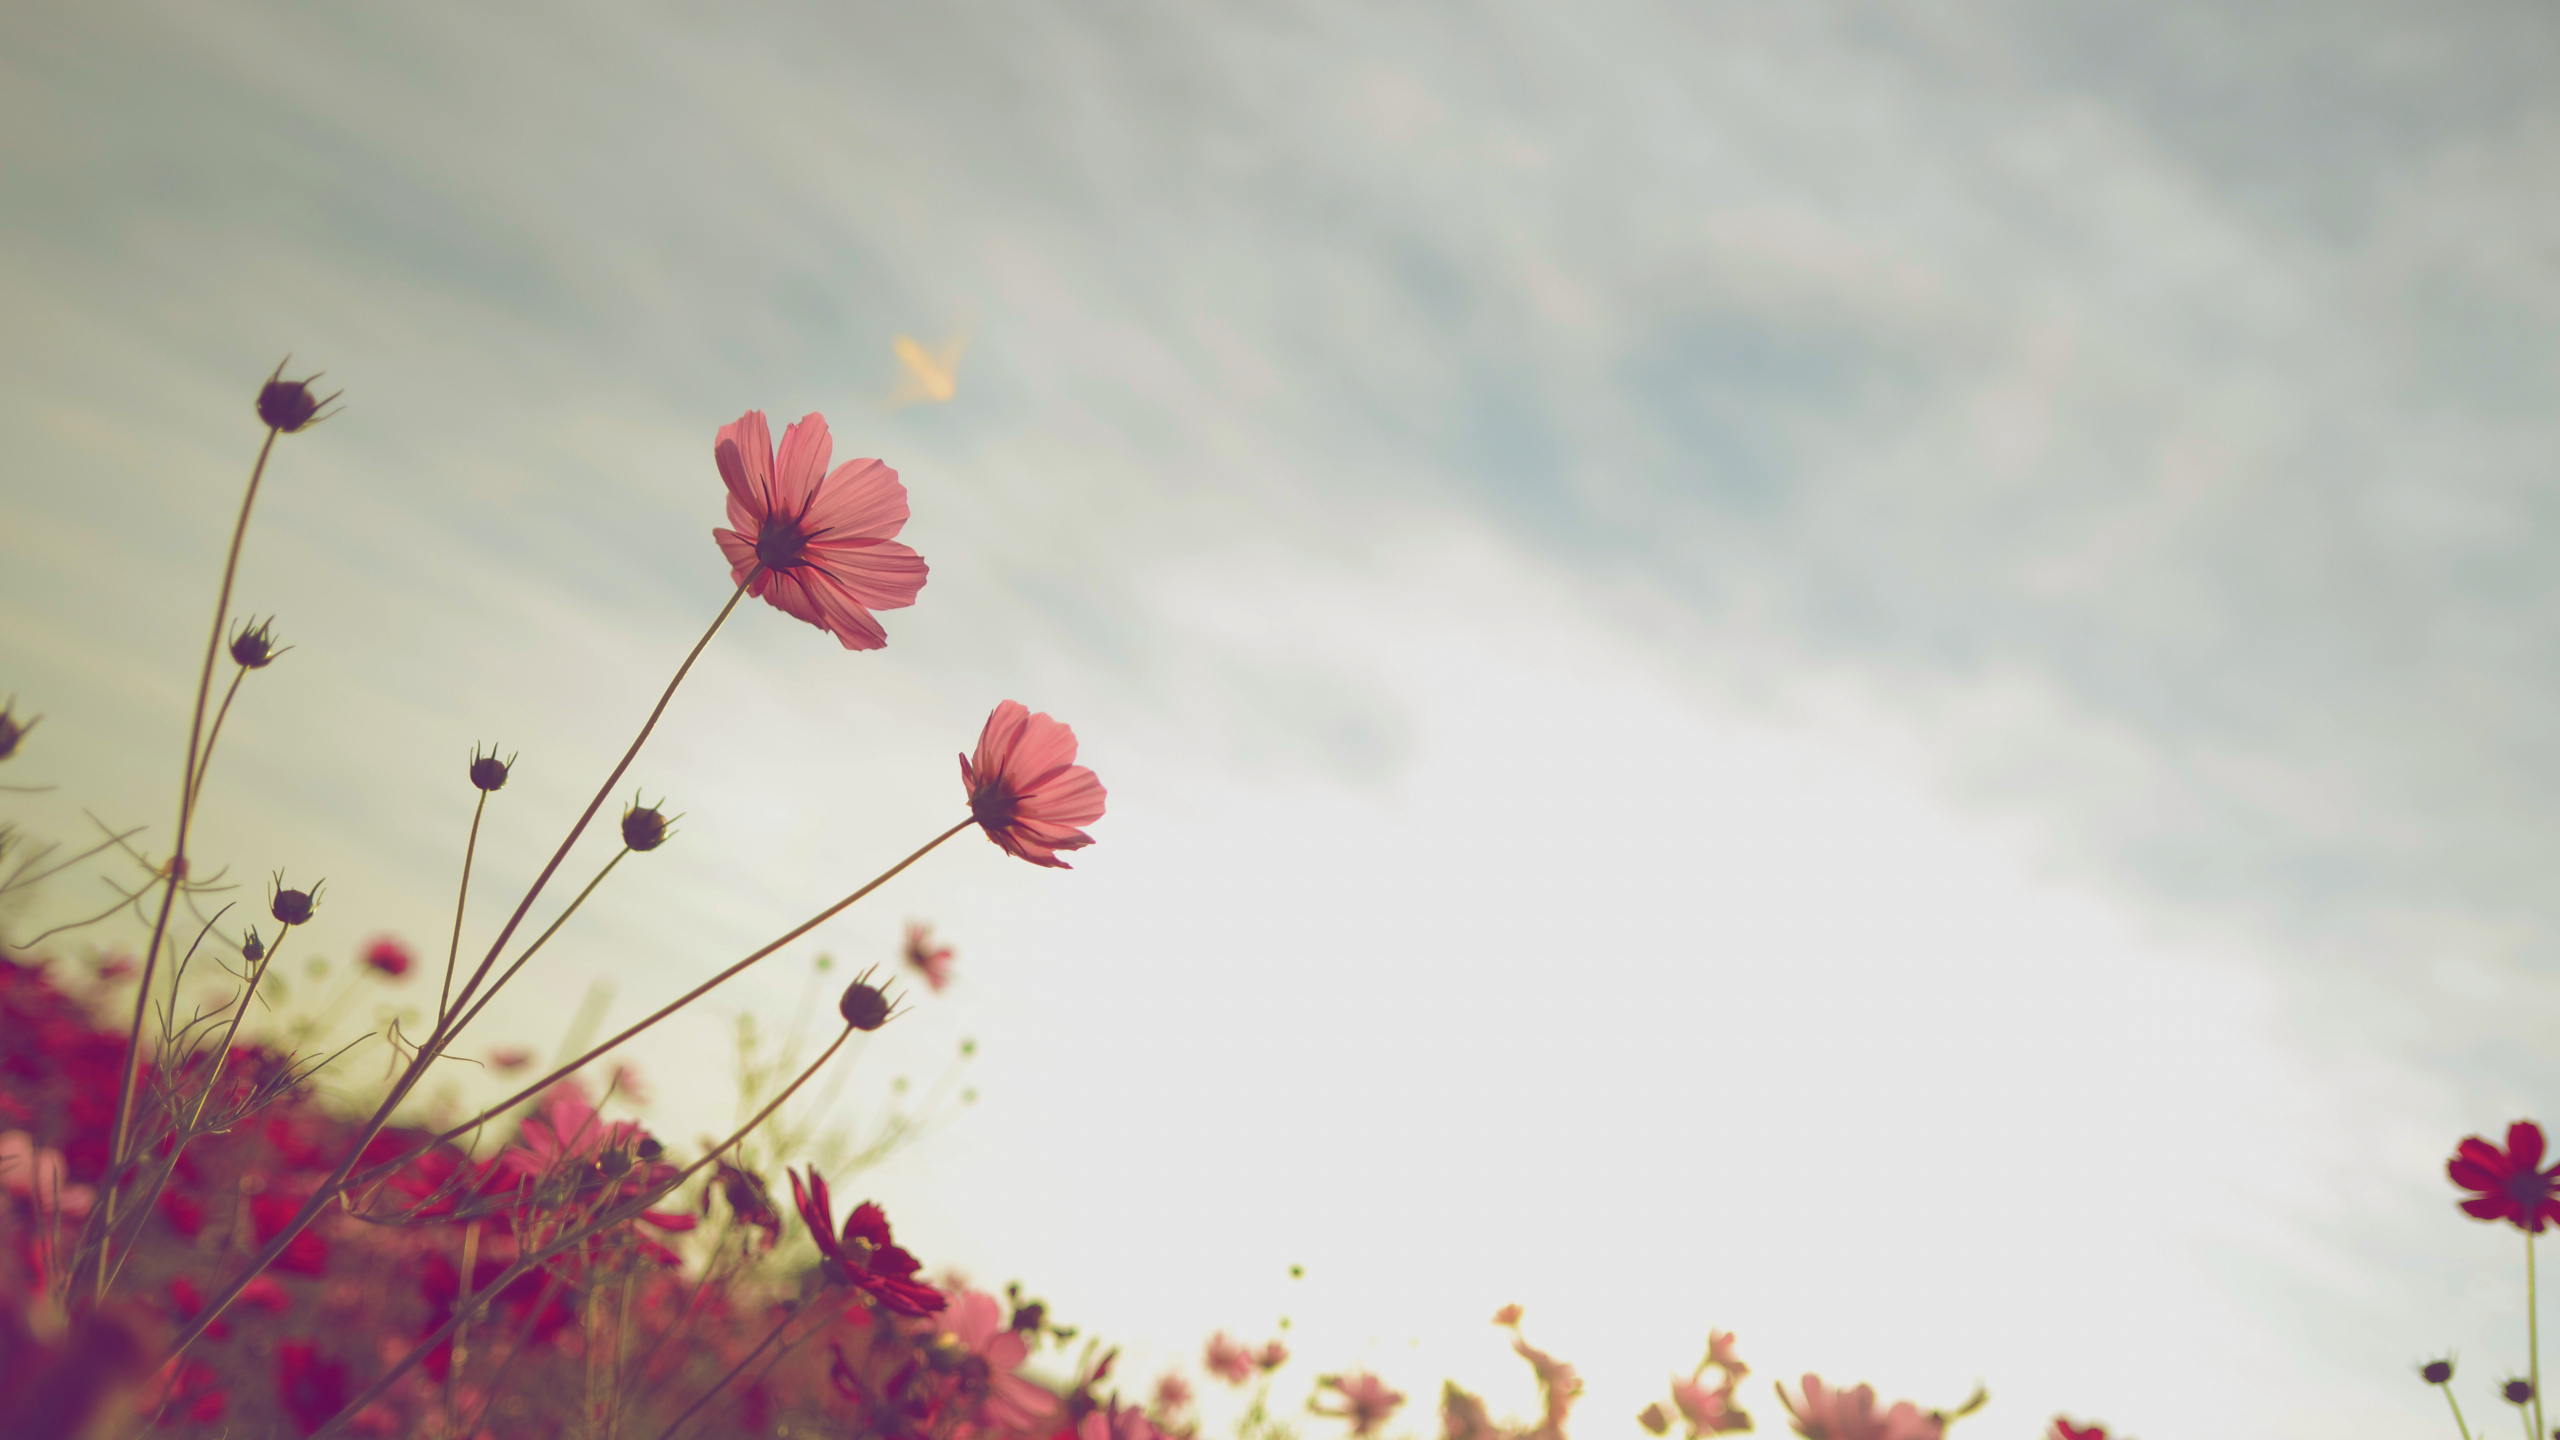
(815, 544)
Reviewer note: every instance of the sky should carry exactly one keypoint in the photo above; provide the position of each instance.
(1875, 675)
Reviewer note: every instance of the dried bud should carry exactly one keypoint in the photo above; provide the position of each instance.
(288, 405)
(643, 827)
(864, 1006)
(1027, 1318)
(254, 648)
(2437, 1372)
(253, 948)
(488, 771)
(2518, 1392)
(292, 907)
(12, 729)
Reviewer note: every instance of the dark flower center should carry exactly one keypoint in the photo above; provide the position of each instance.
(779, 543)
(2528, 1188)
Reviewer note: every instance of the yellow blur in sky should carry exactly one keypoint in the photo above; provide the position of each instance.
(926, 377)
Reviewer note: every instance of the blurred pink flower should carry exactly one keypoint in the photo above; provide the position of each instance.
(1833, 1414)
(1025, 789)
(1011, 1405)
(625, 1081)
(2065, 1430)
(1507, 1316)
(817, 545)
(36, 1176)
(1708, 1411)
(1273, 1356)
(1228, 1360)
(388, 956)
(1366, 1400)
(1173, 1394)
(1558, 1387)
(922, 953)
(510, 1057)
(1720, 1353)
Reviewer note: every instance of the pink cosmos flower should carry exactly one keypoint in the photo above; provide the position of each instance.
(1025, 789)
(863, 1256)
(1833, 1414)
(922, 953)
(2065, 1430)
(2511, 1183)
(1366, 1400)
(1273, 1356)
(1011, 1405)
(1720, 1353)
(1507, 1316)
(1173, 1394)
(1228, 1360)
(815, 544)
(37, 1175)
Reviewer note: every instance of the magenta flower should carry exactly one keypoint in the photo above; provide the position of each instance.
(928, 955)
(1025, 789)
(2511, 1183)
(815, 544)
(1228, 1360)
(863, 1257)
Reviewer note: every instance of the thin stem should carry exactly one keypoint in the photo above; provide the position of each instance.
(740, 1368)
(2533, 1333)
(538, 941)
(2457, 1411)
(416, 1069)
(462, 1334)
(696, 993)
(188, 780)
(507, 932)
(213, 737)
(453, 948)
(465, 1306)
(222, 1052)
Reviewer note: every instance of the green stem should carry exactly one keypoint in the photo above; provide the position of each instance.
(2457, 1411)
(453, 948)
(2533, 1333)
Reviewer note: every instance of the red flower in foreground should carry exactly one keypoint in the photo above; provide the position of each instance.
(816, 545)
(1833, 1414)
(1366, 1400)
(922, 953)
(1025, 789)
(2065, 1430)
(863, 1256)
(2510, 1183)
(388, 956)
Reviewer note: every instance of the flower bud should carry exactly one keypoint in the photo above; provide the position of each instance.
(293, 907)
(253, 948)
(12, 729)
(2518, 1392)
(643, 827)
(2436, 1372)
(488, 771)
(254, 648)
(288, 405)
(863, 1006)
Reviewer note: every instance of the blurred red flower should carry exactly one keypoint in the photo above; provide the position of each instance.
(1025, 789)
(2511, 1185)
(2065, 1430)
(863, 1255)
(388, 956)
(816, 545)
(312, 1389)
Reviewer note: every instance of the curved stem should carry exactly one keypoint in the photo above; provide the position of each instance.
(466, 1306)
(740, 1368)
(453, 947)
(688, 997)
(188, 781)
(213, 737)
(536, 947)
(507, 932)
(433, 1046)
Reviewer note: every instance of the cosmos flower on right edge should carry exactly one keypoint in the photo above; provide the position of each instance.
(2511, 1184)
(1025, 789)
